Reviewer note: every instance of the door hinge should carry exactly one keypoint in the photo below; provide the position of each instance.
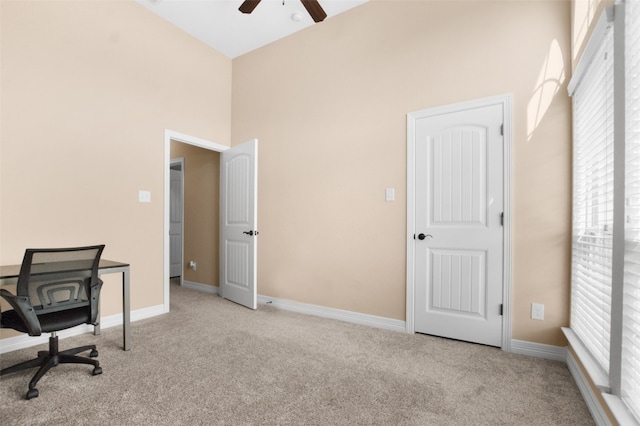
(501, 309)
(502, 219)
(502, 130)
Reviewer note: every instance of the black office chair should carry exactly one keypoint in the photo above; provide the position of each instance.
(57, 289)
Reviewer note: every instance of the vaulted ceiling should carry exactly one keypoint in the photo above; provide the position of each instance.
(222, 26)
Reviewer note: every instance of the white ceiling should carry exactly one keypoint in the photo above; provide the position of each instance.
(222, 26)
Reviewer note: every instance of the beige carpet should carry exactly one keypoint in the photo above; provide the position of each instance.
(210, 361)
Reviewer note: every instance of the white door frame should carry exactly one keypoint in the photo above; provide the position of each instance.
(170, 135)
(505, 102)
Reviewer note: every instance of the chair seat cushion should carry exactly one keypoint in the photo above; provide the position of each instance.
(53, 321)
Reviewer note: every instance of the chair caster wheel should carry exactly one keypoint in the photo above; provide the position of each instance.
(97, 370)
(33, 393)
(93, 354)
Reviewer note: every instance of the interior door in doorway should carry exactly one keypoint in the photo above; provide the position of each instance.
(239, 223)
(176, 215)
(458, 224)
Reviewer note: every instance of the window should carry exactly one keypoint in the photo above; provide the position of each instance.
(630, 388)
(593, 201)
(605, 296)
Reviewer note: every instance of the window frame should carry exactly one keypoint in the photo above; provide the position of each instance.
(610, 383)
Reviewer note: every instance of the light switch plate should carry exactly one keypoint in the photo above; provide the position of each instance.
(144, 196)
(389, 194)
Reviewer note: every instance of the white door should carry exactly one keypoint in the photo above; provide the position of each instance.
(238, 223)
(458, 225)
(175, 221)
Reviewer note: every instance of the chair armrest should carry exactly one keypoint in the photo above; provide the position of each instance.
(94, 294)
(22, 306)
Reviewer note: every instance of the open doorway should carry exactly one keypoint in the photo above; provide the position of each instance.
(196, 259)
(176, 219)
(201, 171)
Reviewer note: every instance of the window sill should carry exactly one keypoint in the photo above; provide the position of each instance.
(601, 380)
(599, 377)
(620, 411)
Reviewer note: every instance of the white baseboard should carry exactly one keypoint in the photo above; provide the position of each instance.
(25, 341)
(338, 314)
(321, 311)
(201, 287)
(590, 398)
(517, 346)
(538, 350)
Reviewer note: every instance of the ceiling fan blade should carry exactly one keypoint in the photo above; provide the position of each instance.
(315, 10)
(248, 5)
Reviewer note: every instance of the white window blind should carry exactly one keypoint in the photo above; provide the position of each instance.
(630, 384)
(593, 203)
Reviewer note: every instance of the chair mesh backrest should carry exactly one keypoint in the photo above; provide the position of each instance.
(58, 279)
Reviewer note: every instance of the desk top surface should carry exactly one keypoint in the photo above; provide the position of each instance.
(12, 271)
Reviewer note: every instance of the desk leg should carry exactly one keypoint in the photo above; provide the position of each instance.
(126, 311)
(126, 308)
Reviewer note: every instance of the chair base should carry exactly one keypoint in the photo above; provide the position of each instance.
(49, 359)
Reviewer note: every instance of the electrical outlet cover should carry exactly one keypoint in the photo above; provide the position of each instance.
(537, 311)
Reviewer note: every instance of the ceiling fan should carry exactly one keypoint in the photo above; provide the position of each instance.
(313, 7)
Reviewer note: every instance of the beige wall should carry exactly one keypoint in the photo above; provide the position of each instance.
(329, 106)
(88, 89)
(584, 16)
(201, 211)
